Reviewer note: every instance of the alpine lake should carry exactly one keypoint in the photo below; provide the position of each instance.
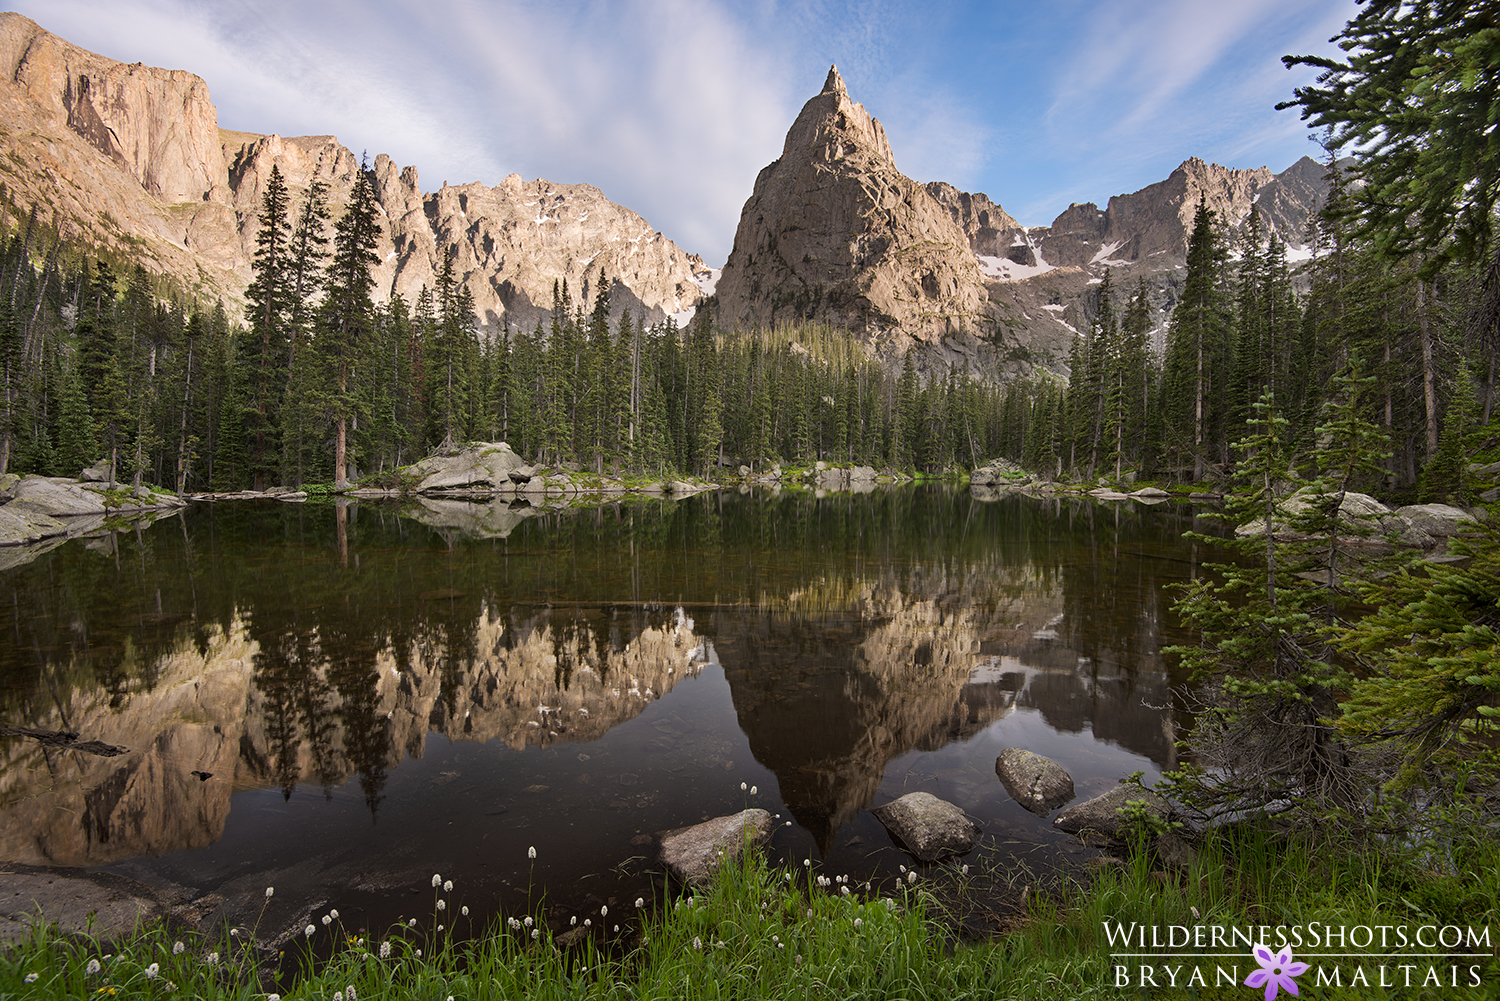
(340, 699)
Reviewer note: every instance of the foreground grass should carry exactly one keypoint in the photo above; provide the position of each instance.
(763, 933)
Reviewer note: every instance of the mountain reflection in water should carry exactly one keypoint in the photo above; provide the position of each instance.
(867, 646)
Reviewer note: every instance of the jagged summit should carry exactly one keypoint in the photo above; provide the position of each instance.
(833, 231)
(130, 157)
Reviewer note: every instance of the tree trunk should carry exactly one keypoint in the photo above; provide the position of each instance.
(1429, 379)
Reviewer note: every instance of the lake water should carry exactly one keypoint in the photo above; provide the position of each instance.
(340, 700)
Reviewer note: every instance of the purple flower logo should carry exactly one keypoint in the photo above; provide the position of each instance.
(1276, 971)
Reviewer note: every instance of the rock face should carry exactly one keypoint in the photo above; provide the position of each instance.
(833, 231)
(694, 854)
(929, 828)
(992, 232)
(132, 157)
(1039, 784)
(1157, 219)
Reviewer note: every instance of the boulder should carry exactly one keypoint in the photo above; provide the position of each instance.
(861, 474)
(22, 526)
(55, 497)
(99, 472)
(1437, 520)
(481, 464)
(1039, 784)
(1108, 493)
(928, 827)
(1101, 815)
(693, 854)
(522, 474)
(1147, 493)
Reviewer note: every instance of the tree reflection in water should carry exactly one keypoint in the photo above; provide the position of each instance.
(277, 646)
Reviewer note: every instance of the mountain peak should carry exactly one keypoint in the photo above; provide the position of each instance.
(835, 83)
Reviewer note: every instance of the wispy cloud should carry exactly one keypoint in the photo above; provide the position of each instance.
(671, 107)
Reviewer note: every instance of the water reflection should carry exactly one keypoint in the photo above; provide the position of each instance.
(322, 648)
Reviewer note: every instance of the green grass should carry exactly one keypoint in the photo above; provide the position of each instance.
(758, 932)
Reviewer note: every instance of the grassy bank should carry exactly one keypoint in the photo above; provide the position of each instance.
(764, 933)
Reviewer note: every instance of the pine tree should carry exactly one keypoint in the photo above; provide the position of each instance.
(348, 311)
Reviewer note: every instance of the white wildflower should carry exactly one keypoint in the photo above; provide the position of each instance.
(440, 927)
(806, 862)
(844, 890)
(447, 886)
(338, 996)
(31, 978)
(234, 932)
(640, 902)
(442, 905)
(753, 790)
(412, 923)
(419, 953)
(966, 870)
(349, 992)
(902, 868)
(527, 922)
(531, 852)
(858, 922)
(177, 948)
(809, 914)
(327, 920)
(604, 911)
(93, 967)
(270, 892)
(152, 971)
(1195, 913)
(617, 928)
(697, 943)
(385, 949)
(437, 880)
(333, 912)
(273, 997)
(536, 933)
(743, 787)
(308, 931)
(464, 910)
(573, 920)
(588, 922)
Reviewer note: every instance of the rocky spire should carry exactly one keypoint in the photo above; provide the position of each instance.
(833, 231)
(835, 83)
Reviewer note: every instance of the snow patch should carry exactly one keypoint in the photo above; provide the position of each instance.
(1296, 255)
(1094, 281)
(1105, 251)
(1006, 270)
(1055, 307)
(707, 281)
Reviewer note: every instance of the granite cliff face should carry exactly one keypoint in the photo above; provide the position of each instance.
(131, 157)
(833, 231)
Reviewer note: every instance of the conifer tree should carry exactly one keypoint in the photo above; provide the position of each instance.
(348, 311)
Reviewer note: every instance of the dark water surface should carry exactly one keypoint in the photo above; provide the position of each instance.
(379, 693)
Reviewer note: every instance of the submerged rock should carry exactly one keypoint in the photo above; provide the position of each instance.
(928, 827)
(1101, 815)
(694, 854)
(1039, 784)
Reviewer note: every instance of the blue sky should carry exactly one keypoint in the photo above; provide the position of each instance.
(672, 107)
